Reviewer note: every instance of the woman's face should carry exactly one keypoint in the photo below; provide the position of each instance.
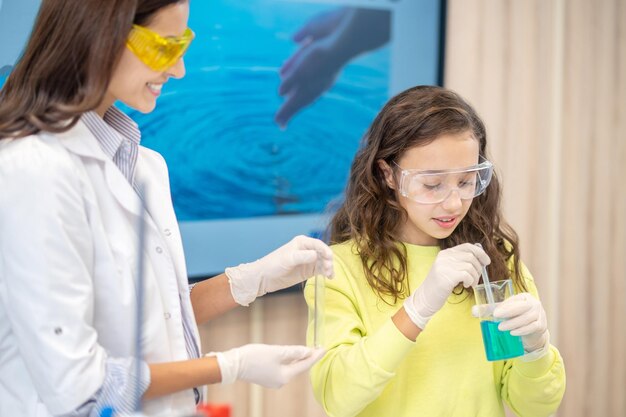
(426, 224)
(135, 84)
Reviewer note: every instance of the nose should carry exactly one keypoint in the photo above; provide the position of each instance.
(177, 70)
(453, 201)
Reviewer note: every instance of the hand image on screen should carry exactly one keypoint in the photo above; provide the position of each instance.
(327, 43)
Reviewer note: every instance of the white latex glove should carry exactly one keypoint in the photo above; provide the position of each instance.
(524, 316)
(269, 365)
(461, 264)
(294, 262)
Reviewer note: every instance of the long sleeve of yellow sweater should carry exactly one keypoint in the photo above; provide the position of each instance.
(371, 369)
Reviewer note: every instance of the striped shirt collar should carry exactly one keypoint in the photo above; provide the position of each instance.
(119, 137)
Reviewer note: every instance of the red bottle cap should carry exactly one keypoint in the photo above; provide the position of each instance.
(215, 410)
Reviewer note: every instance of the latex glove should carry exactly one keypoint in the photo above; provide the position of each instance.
(294, 262)
(461, 264)
(269, 365)
(524, 316)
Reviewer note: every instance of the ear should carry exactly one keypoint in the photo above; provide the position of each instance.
(388, 173)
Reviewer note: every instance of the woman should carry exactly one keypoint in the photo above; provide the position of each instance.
(70, 174)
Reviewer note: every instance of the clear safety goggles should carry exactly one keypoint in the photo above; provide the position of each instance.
(433, 187)
(157, 52)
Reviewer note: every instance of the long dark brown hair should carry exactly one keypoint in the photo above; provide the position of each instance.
(371, 215)
(68, 62)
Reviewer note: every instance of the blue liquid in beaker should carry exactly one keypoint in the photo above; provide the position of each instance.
(498, 344)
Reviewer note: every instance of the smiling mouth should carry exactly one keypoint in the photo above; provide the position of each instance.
(446, 222)
(445, 219)
(155, 88)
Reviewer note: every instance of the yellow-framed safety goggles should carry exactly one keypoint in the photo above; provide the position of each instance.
(157, 52)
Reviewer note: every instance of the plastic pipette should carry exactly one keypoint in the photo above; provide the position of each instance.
(486, 283)
(318, 310)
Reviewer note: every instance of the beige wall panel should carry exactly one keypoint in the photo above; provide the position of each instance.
(575, 340)
(617, 379)
(602, 201)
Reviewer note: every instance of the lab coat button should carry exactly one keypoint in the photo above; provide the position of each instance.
(167, 232)
(167, 316)
(159, 250)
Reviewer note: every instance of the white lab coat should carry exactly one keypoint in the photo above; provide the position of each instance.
(68, 272)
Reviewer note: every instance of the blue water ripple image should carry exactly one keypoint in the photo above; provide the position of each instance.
(227, 158)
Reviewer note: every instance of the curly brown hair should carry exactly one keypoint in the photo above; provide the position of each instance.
(371, 214)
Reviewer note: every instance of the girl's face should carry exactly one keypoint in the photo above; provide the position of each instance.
(133, 83)
(426, 224)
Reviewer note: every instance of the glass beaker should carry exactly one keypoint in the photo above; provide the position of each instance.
(499, 344)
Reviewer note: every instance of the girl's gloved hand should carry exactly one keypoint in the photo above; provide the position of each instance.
(292, 263)
(271, 366)
(524, 316)
(461, 264)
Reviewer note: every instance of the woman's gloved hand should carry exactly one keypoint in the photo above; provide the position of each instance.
(524, 316)
(292, 263)
(271, 366)
(461, 264)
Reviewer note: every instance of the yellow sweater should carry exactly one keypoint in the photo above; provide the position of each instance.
(371, 369)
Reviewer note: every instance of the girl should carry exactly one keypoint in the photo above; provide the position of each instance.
(399, 329)
(70, 163)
